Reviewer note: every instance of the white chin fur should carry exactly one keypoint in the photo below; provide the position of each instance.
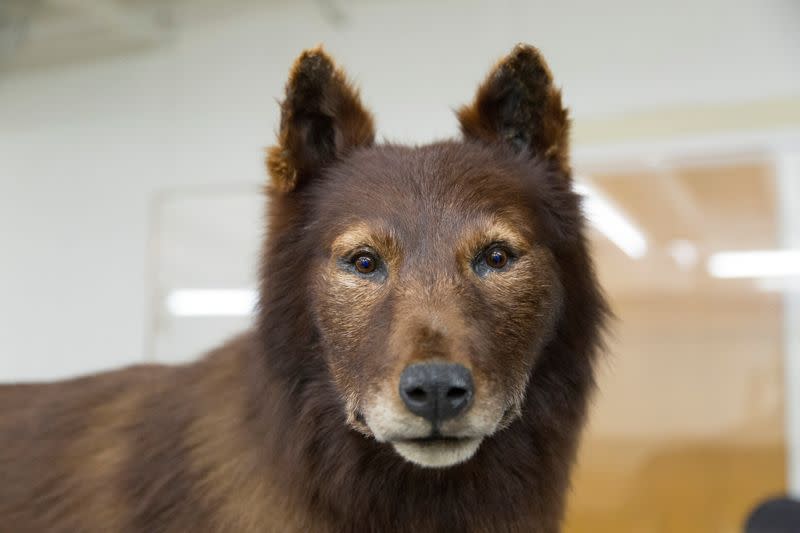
(438, 454)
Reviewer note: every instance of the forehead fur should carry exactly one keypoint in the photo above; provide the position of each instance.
(424, 190)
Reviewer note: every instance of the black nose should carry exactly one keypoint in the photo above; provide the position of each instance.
(436, 391)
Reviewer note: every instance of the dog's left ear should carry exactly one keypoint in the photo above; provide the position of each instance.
(518, 104)
(322, 118)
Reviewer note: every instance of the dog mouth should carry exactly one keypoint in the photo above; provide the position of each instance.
(437, 451)
(426, 444)
(435, 437)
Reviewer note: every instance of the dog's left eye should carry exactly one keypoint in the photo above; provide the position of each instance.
(494, 257)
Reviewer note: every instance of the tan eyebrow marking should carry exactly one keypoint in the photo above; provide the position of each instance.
(498, 230)
(362, 234)
(493, 230)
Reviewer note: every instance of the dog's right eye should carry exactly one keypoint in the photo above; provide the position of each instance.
(365, 263)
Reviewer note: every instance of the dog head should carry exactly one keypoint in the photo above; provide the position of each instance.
(431, 273)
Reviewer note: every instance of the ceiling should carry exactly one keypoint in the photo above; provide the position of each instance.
(627, 51)
(44, 33)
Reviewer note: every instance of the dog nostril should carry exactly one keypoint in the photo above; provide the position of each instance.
(456, 393)
(417, 394)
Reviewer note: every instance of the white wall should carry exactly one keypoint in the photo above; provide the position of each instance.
(84, 147)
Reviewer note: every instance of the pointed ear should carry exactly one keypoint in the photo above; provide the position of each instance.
(322, 118)
(519, 105)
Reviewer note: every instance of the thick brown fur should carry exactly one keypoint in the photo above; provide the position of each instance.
(271, 432)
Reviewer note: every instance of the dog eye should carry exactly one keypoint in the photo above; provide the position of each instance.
(496, 257)
(365, 263)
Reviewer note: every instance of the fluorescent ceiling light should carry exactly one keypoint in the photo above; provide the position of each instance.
(212, 302)
(612, 222)
(755, 264)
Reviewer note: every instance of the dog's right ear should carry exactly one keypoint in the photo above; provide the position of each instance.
(322, 118)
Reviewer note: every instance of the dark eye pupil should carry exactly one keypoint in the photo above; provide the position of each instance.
(365, 264)
(497, 258)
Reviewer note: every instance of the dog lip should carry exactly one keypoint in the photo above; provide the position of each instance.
(435, 438)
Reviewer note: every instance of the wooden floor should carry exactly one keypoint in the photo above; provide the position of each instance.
(701, 487)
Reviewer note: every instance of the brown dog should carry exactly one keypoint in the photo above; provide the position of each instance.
(422, 359)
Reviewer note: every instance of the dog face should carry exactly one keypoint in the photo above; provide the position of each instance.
(433, 284)
(433, 296)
